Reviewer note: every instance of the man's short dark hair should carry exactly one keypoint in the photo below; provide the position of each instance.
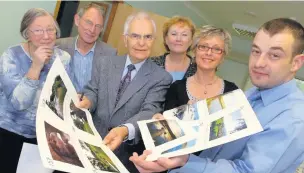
(280, 25)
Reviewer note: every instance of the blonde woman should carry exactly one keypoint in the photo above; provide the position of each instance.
(177, 34)
(210, 46)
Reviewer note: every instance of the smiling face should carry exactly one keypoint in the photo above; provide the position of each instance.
(271, 61)
(138, 40)
(89, 25)
(209, 52)
(48, 38)
(179, 38)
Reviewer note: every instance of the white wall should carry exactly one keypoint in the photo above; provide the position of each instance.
(11, 15)
(234, 72)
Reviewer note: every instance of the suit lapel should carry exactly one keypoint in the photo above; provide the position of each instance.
(71, 47)
(98, 49)
(118, 64)
(136, 84)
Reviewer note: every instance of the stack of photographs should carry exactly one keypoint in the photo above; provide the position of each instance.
(67, 138)
(199, 126)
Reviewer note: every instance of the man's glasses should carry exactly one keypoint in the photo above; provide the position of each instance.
(90, 24)
(148, 37)
(205, 48)
(40, 32)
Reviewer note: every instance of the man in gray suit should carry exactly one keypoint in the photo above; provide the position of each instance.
(86, 46)
(128, 89)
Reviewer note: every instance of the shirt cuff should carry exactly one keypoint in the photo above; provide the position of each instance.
(194, 164)
(30, 82)
(131, 130)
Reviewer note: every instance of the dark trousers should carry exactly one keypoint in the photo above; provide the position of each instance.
(10, 149)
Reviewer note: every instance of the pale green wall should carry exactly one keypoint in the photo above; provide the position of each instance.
(300, 84)
(229, 70)
(11, 15)
(168, 9)
(234, 72)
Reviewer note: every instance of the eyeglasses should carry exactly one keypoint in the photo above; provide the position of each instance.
(40, 32)
(205, 48)
(90, 24)
(148, 37)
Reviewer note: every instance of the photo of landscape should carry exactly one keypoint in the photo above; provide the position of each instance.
(163, 131)
(98, 158)
(80, 118)
(55, 102)
(234, 122)
(215, 104)
(217, 129)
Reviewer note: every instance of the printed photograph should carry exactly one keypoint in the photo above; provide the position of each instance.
(194, 112)
(80, 119)
(179, 112)
(235, 122)
(57, 97)
(60, 147)
(185, 112)
(217, 129)
(98, 158)
(184, 145)
(164, 131)
(215, 104)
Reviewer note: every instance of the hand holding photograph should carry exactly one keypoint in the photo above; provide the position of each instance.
(214, 121)
(67, 138)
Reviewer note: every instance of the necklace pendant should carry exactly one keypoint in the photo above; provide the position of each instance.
(205, 92)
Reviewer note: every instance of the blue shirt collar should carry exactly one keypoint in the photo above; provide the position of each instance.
(137, 66)
(271, 95)
(91, 50)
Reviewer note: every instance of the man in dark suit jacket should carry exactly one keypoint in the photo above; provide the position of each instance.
(86, 46)
(117, 110)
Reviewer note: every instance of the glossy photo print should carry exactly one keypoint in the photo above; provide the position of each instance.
(217, 129)
(215, 104)
(55, 102)
(79, 118)
(60, 146)
(185, 112)
(164, 131)
(98, 158)
(235, 122)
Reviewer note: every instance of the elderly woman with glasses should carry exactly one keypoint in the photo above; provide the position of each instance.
(23, 71)
(177, 34)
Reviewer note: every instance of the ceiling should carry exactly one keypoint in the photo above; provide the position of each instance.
(252, 14)
(224, 14)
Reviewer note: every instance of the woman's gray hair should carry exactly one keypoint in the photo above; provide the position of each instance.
(209, 31)
(138, 15)
(82, 10)
(30, 16)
